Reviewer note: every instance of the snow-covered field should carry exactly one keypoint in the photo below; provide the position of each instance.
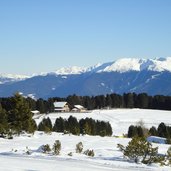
(120, 119)
(13, 155)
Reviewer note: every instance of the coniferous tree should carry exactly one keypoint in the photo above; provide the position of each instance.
(3, 122)
(56, 147)
(45, 125)
(73, 125)
(32, 103)
(153, 131)
(87, 102)
(139, 150)
(59, 125)
(20, 116)
(129, 100)
(140, 132)
(40, 105)
(82, 126)
(162, 130)
(79, 147)
(132, 131)
(142, 101)
(50, 105)
(108, 101)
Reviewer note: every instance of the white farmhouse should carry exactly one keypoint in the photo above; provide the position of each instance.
(79, 108)
(61, 107)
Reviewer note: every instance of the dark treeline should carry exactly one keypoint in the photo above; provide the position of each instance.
(139, 131)
(72, 125)
(127, 100)
(44, 106)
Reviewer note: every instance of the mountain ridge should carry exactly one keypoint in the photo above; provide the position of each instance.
(120, 65)
(152, 76)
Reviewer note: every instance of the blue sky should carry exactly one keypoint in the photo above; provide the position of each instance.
(44, 35)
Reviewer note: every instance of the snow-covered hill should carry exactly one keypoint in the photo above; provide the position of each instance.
(120, 119)
(13, 156)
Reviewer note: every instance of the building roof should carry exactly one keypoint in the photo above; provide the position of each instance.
(78, 106)
(59, 104)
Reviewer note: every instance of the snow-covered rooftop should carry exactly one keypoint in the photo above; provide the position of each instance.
(78, 106)
(59, 104)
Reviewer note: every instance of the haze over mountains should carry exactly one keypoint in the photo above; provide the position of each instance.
(152, 76)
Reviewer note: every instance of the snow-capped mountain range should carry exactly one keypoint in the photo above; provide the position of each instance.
(152, 76)
(7, 78)
(122, 65)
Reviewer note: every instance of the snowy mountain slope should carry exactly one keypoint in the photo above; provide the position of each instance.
(70, 70)
(122, 65)
(7, 78)
(92, 84)
(133, 64)
(152, 76)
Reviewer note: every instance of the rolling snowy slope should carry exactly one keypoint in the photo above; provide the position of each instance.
(13, 156)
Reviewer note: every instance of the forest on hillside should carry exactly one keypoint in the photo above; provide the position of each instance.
(127, 100)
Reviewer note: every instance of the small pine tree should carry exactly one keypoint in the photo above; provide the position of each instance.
(139, 150)
(57, 147)
(89, 152)
(46, 148)
(168, 157)
(70, 154)
(162, 130)
(132, 131)
(153, 131)
(79, 147)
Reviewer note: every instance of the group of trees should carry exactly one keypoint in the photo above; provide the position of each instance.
(72, 125)
(139, 131)
(127, 100)
(56, 149)
(162, 131)
(17, 117)
(44, 106)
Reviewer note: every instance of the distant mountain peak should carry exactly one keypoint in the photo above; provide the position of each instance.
(7, 78)
(135, 64)
(14, 76)
(70, 70)
(121, 65)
